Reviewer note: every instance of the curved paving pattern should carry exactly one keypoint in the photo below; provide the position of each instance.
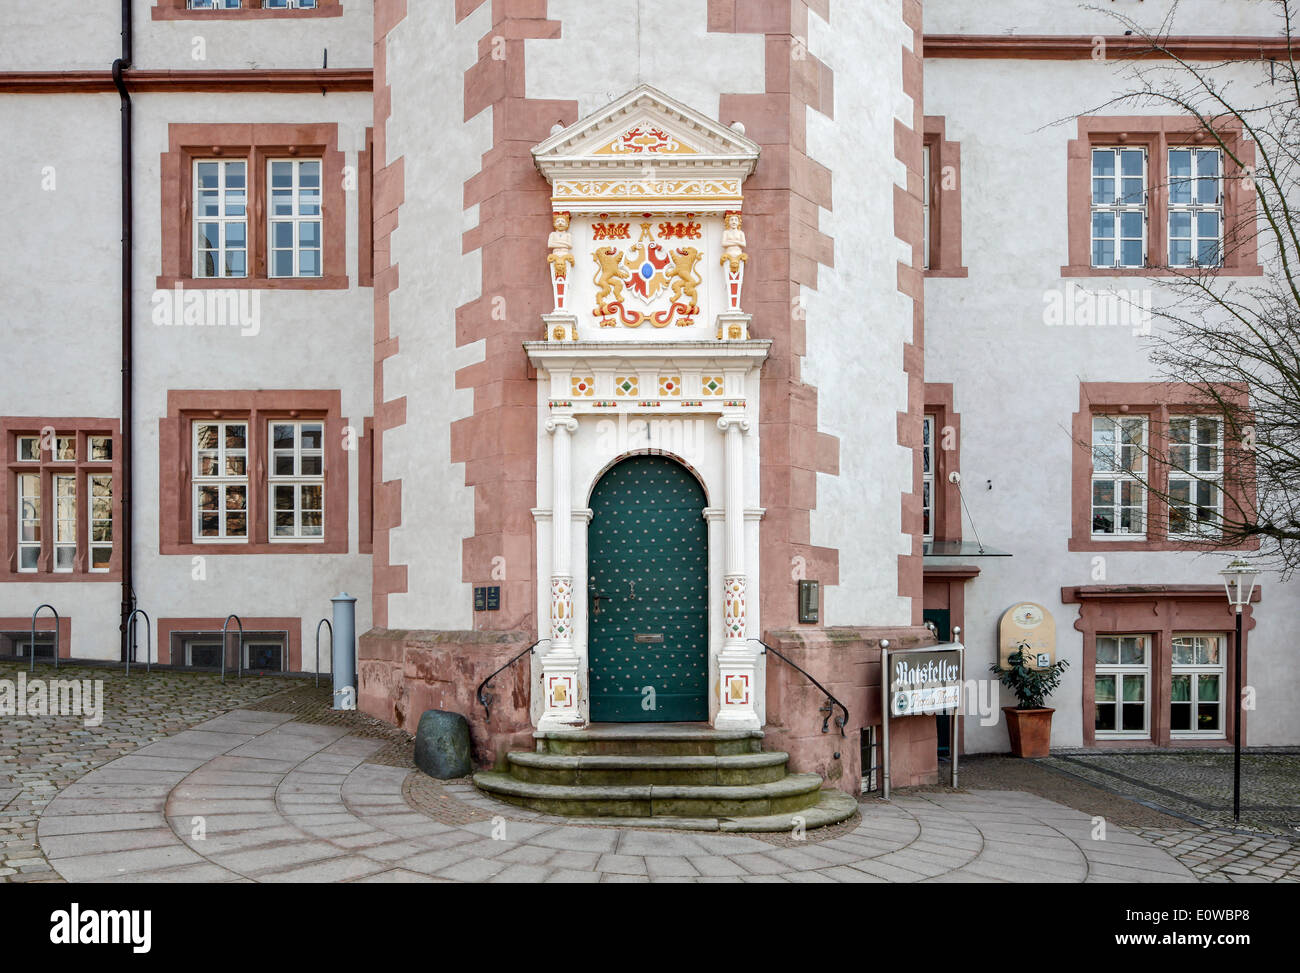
(253, 796)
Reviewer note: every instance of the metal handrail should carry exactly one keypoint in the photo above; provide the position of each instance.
(57, 633)
(485, 699)
(831, 701)
(326, 623)
(148, 640)
(239, 659)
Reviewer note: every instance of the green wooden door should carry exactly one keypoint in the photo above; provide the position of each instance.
(647, 584)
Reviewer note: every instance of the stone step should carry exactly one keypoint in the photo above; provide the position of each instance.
(834, 807)
(622, 769)
(790, 794)
(649, 739)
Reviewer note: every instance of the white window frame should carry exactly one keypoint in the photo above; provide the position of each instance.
(280, 643)
(200, 642)
(64, 521)
(1194, 473)
(1196, 670)
(1120, 670)
(295, 481)
(92, 521)
(1116, 209)
(928, 454)
(296, 219)
(1120, 473)
(221, 481)
(90, 449)
(32, 455)
(24, 498)
(64, 444)
(223, 220)
(1195, 208)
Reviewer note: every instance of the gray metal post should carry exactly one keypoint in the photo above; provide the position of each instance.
(343, 645)
(31, 646)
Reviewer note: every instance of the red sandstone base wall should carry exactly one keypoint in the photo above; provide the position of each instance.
(403, 673)
(847, 662)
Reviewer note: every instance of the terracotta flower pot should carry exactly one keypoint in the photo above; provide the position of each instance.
(1030, 730)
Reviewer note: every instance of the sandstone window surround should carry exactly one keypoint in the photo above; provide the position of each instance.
(252, 477)
(941, 230)
(944, 449)
(1163, 621)
(244, 9)
(257, 147)
(60, 499)
(1159, 421)
(1150, 140)
(174, 633)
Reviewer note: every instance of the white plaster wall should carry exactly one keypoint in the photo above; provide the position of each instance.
(1253, 17)
(607, 49)
(441, 151)
(1016, 381)
(89, 38)
(857, 322)
(61, 311)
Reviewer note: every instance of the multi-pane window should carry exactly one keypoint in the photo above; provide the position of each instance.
(294, 217)
(1195, 208)
(220, 218)
(101, 521)
(29, 520)
(289, 4)
(214, 4)
(1121, 682)
(1195, 475)
(221, 481)
(65, 522)
(1119, 207)
(1118, 464)
(1196, 689)
(297, 480)
(927, 477)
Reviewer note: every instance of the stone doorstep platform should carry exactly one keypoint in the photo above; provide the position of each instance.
(684, 776)
(252, 796)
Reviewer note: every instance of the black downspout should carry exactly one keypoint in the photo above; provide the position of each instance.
(128, 589)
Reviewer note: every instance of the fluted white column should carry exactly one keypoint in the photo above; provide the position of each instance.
(737, 662)
(560, 662)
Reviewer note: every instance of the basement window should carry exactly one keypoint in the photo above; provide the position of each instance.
(19, 644)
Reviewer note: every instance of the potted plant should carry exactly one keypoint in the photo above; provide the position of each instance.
(1029, 722)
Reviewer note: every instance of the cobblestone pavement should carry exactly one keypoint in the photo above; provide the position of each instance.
(40, 755)
(254, 795)
(1197, 784)
(1214, 854)
(180, 783)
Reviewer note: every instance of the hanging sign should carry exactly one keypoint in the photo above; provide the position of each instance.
(1030, 623)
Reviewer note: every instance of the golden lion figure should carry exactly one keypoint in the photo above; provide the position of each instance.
(682, 274)
(610, 275)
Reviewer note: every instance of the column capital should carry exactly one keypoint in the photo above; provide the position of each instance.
(568, 423)
(725, 422)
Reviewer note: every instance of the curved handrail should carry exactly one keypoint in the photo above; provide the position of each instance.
(326, 623)
(239, 659)
(485, 699)
(148, 639)
(32, 644)
(831, 701)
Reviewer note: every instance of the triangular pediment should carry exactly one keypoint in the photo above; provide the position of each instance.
(645, 128)
(646, 151)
